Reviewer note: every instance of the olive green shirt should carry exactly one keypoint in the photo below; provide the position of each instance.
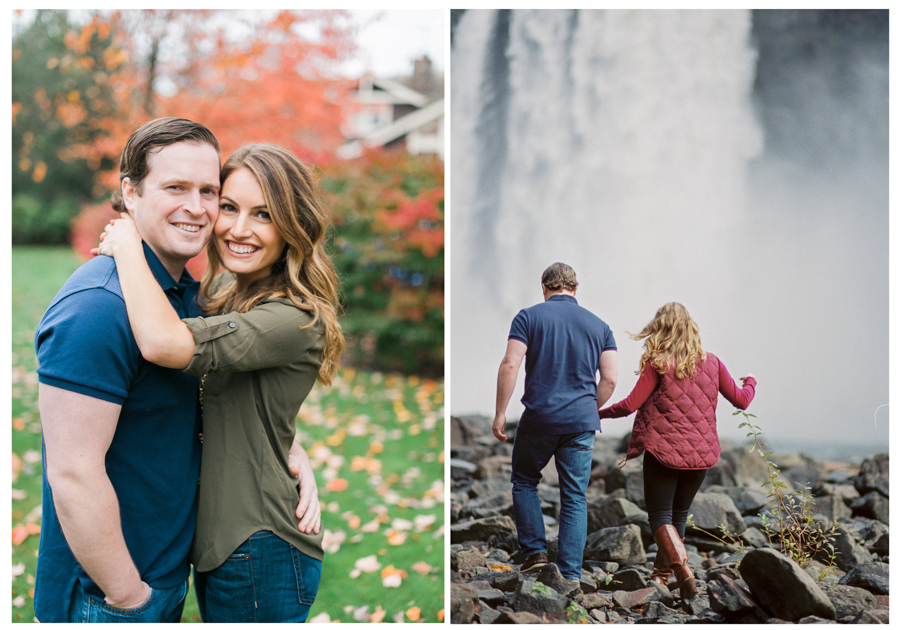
(259, 368)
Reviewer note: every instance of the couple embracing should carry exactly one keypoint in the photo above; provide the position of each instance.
(564, 346)
(168, 405)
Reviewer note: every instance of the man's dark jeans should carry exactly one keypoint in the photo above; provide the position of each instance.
(531, 452)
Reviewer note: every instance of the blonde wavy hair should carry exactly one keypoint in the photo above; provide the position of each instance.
(304, 273)
(671, 338)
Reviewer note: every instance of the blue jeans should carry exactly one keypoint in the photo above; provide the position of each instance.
(163, 606)
(265, 580)
(531, 452)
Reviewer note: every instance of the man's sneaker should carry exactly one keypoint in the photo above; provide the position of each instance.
(534, 563)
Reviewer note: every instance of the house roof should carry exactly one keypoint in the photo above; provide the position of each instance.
(373, 89)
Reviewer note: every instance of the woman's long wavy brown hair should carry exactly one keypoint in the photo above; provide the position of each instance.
(304, 273)
(671, 338)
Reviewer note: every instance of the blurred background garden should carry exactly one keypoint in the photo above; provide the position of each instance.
(315, 82)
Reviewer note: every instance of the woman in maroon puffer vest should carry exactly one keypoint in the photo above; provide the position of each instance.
(675, 428)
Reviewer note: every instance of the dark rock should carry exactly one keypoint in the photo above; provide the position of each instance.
(523, 617)
(550, 576)
(497, 556)
(603, 566)
(598, 615)
(849, 547)
(872, 576)
(486, 615)
(486, 507)
(832, 508)
(657, 611)
(632, 599)
(461, 468)
(746, 468)
(499, 530)
(506, 582)
(882, 545)
(754, 538)
(616, 544)
(634, 487)
(471, 454)
(470, 558)
(464, 430)
(712, 508)
(730, 599)
(540, 600)
(614, 513)
(696, 605)
(871, 617)
(747, 500)
(873, 475)
(493, 466)
(872, 530)
(629, 579)
(814, 619)
(596, 600)
(848, 600)
(843, 491)
(872, 505)
(492, 596)
(782, 588)
(462, 603)
(488, 487)
(587, 583)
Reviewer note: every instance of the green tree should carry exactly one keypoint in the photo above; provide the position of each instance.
(59, 94)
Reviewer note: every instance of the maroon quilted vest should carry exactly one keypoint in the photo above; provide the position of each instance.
(678, 422)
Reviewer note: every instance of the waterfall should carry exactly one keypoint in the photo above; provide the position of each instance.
(626, 143)
(614, 141)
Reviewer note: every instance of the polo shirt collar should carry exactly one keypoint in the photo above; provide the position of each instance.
(563, 297)
(162, 275)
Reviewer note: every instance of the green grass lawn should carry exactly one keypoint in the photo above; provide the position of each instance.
(376, 441)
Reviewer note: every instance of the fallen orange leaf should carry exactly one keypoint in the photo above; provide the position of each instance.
(413, 613)
(396, 538)
(378, 615)
(33, 529)
(440, 615)
(422, 567)
(18, 424)
(337, 485)
(19, 534)
(376, 447)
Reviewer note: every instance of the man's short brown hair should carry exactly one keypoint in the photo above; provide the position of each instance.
(559, 276)
(152, 137)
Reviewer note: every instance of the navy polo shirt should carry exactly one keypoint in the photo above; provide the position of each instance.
(84, 344)
(564, 343)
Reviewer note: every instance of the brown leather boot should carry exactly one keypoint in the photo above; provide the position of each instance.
(670, 544)
(661, 568)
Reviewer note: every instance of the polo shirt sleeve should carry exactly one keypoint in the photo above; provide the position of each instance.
(609, 342)
(519, 328)
(270, 335)
(84, 344)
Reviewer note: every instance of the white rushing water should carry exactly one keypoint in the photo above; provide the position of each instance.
(621, 143)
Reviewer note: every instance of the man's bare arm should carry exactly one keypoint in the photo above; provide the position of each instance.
(78, 430)
(506, 383)
(609, 374)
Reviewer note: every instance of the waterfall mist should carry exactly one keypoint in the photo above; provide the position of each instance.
(705, 157)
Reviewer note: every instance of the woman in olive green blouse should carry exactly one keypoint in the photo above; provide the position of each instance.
(270, 332)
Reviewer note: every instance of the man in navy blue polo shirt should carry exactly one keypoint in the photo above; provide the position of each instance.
(121, 447)
(564, 345)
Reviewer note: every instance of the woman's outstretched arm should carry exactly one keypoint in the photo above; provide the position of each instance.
(740, 398)
(638, 396)
(160, 334)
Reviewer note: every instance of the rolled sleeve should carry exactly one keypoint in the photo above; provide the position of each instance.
(271, 334)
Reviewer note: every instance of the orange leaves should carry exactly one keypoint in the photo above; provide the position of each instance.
(420, 220)
(22, 531)
(422, 568)
(413, 613)
(337, 485)
(378, 615)
(392, 577)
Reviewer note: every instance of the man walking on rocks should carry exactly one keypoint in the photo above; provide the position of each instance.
(563, 345)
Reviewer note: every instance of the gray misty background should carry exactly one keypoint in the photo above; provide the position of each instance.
(734, 161)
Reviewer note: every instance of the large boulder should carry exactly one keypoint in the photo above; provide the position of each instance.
(541, 600)
(465, 430)
(498, 531)
(710, 509)
(782, 587)
(873, 475)
(616, 544)
(614, 512)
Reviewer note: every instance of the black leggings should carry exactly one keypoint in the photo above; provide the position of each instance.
(669, 493)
